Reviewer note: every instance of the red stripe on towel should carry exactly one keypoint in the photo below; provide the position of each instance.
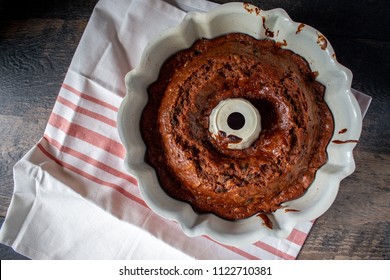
(86, 112)
(235, 250)
(298, 237)
(273, 250)
(90, 160)
(89, 97)
(91, 177)
(87, 135)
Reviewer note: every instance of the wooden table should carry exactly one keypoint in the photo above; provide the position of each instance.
(37, 42)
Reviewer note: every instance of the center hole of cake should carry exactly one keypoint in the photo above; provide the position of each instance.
(236, 121)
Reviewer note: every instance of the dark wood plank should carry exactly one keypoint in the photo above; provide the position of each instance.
(357, 226)
(36, 48)
(37, 42)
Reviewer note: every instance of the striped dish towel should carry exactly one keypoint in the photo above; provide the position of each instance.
(73, 199)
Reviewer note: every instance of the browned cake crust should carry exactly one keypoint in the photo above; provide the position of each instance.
(193, 166)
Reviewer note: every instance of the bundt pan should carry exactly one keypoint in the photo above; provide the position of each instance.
(300, 38)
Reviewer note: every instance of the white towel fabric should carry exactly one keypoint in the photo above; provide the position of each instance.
(73, 198)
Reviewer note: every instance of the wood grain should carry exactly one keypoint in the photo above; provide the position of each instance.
(36, 48)
(357, 225)
(37, 43)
